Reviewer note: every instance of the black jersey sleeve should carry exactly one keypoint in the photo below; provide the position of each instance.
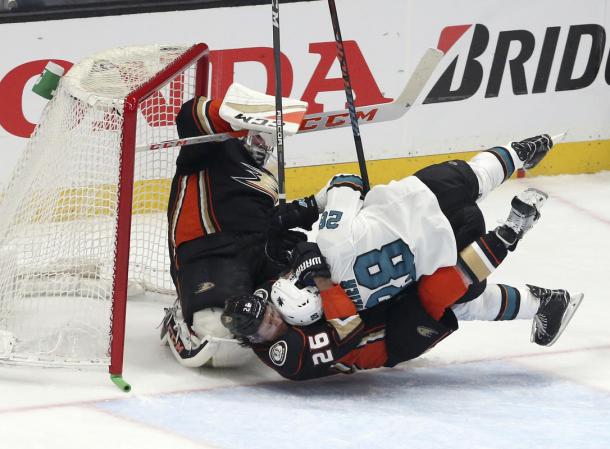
(197, 117)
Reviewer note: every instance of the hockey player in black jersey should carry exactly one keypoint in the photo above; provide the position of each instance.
(220, 203)
(343, 341)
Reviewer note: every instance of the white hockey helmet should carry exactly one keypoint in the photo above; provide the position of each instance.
(300, 307)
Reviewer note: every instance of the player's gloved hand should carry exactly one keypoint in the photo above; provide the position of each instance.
(280, 245)
(308, 262)
(301, 213)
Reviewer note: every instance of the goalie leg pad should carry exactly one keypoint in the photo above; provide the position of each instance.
(188, 349)
(228, 353)
(206, 343)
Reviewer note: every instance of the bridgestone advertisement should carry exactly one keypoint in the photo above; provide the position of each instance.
(509, 70)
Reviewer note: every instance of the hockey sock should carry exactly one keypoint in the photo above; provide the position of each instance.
(479, 259)
(499, 302)
(492, 167)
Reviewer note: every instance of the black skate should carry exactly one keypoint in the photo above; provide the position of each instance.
(525, 212)
(532, 150)
(556, 310)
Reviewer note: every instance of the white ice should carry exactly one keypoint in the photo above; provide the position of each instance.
(486, 386)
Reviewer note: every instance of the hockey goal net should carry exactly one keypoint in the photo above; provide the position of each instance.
(84, 213)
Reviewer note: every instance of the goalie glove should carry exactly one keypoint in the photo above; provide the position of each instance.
(307, 263)
(245, 108)
(301, 213)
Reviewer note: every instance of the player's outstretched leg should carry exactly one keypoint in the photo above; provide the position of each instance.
(494, 166)
(524, 213)
(556, 310)
(551, 310)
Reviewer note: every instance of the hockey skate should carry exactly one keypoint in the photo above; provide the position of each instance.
(524, 213)
(169, 320)
(531, 151)
(556, 310)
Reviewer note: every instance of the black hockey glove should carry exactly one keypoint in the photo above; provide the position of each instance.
(307, 263)
(280, 245)
(301, 213)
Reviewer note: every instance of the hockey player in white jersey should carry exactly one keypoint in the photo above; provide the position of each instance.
(428, 228)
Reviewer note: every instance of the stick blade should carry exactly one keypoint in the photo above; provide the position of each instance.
(558, 137)
(420, 76)
(379, 112)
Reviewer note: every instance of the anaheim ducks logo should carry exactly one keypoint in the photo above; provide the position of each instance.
(205, 286)
(260, 180)
(277, 353)
(426, 332)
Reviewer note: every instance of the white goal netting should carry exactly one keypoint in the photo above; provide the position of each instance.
(58, 212)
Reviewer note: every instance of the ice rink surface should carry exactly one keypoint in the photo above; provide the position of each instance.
(486, 386)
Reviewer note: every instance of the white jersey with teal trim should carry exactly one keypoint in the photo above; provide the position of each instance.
(378, 246)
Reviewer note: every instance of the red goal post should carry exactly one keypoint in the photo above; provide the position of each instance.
(82, 217)
(199, 55)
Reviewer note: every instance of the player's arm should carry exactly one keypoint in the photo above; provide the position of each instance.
(199, 116)
(343, 193)
(340, 200)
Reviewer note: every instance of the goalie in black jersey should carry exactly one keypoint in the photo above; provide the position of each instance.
(221, 199)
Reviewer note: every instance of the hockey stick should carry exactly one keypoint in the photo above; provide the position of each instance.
(349, 95)
(279, 118)
(321, 121)
(380, 112)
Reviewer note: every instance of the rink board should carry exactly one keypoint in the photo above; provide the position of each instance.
(564, 158)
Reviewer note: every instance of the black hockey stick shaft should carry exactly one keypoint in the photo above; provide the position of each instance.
(349, 95)
(279, 115)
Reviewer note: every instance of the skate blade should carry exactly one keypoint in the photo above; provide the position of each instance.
(542, 196)
(567, 316)
(558, 137)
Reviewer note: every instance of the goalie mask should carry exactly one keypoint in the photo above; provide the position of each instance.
(300, 307)
(260, 146)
